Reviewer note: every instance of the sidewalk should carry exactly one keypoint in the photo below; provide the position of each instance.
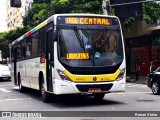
(132, 78)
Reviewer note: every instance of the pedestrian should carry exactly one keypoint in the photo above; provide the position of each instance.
(137, 71)
(152, 67)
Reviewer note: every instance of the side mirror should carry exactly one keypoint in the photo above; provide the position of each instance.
(15, 3)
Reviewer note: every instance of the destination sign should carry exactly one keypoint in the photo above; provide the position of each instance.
(87, 20)
(77, 56)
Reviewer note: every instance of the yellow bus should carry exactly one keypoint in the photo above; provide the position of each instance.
(71, 54)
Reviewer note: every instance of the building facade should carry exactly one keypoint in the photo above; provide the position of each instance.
(143, 46)
(12, 17)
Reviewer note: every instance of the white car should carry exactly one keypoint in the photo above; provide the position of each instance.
(4, 72)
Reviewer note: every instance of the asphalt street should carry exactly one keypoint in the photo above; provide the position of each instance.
(138, 97)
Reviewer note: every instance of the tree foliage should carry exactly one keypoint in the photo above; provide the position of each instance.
(150, 13)
(42, 10)
(8, 37)
(36, 14)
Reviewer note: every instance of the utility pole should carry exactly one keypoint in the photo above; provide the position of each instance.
(106, 7)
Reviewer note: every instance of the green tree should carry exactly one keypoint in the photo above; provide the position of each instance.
(150, 12)
(8, 37)
(36, 14)
(42, 10)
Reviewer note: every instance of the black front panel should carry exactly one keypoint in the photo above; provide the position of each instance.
(92, 70)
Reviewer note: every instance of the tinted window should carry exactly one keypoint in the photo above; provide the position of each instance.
(12, 54)
(158, 69)
(35, 44)
(28, 47)
(23, 50)
(83, 48)
(41, 42)
(19, 52)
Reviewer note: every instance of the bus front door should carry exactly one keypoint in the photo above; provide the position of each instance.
(49, 48)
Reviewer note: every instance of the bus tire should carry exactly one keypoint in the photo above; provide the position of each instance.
(99, 96)
(44, 94)
(21, 88)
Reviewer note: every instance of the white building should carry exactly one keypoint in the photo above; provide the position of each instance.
(3, 16)
(10, 17)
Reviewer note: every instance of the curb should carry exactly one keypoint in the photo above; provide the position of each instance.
(142, 80)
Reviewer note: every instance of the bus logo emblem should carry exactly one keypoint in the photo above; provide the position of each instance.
(94, 78)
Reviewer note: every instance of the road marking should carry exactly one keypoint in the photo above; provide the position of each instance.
(133, 92)
(4, 90)
(4, 109)
(16, 87)
(6, 84)
(135, 85)
(14, 99)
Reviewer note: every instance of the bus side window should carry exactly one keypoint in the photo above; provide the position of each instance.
(41, 42)
(28, 47)
(12, 54)
(35, 44)
(19, 54)
(23, 49)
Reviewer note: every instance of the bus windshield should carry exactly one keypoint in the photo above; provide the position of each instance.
(90, 47)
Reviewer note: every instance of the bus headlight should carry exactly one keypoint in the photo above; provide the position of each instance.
(63, 75)
(121, 75)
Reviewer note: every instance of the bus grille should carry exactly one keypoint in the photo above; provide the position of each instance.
(85, 88)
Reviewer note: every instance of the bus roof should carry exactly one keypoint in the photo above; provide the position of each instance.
(53, 18)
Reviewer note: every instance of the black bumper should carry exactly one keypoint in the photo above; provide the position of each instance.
(5, 78)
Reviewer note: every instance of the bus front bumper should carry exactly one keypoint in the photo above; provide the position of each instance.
(68, 87)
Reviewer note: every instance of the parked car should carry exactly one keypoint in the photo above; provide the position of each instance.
(154, 81)
(4, 72)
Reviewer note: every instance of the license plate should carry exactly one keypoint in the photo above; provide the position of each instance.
(94, 90)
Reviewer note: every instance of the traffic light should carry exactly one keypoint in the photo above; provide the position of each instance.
(15, 3)
(125, 10)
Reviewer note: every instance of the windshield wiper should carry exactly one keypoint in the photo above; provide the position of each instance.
(80, 39)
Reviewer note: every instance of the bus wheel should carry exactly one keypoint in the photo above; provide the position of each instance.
(45, 95)
(21, 88)
(98, 96)
(155, 88)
